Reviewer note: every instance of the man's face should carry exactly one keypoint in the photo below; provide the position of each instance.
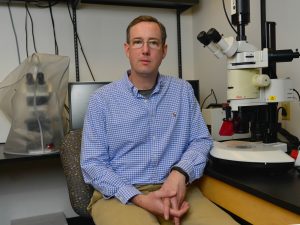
(145, 49)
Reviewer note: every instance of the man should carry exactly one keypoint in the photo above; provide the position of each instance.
(145, 142)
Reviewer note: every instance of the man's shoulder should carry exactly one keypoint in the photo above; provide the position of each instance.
(107, 92)
(175, 81)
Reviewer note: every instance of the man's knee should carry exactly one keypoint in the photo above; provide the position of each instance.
(203, 211)
(112, 212)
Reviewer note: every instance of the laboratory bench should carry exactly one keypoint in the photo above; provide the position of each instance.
(7, 158)
(256, 196)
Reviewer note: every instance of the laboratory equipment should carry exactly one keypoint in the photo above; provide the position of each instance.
(32, 97)
(253, 93)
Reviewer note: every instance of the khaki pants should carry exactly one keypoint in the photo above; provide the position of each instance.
(113, 212)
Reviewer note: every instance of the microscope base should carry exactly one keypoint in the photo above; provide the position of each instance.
(251, 155)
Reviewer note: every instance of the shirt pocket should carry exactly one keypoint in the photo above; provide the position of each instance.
(166, 119)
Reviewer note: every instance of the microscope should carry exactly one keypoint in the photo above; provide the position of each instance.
(253, 94)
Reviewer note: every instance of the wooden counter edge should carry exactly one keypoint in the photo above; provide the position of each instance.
(245, 205)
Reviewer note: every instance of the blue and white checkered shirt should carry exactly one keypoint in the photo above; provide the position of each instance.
(131, 140)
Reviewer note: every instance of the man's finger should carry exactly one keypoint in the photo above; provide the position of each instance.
(180, 212)
(176, 220)
(166, 202)
(174, 205)
(184, 208)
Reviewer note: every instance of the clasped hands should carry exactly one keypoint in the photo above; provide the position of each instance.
(168, 201)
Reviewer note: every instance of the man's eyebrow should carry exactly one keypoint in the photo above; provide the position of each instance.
(151, 38)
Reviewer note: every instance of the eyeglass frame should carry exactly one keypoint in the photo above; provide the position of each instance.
(152, 40)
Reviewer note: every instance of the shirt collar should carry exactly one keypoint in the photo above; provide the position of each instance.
(159, 85)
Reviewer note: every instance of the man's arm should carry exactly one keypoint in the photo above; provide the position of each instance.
(192, 163)
(194, 159)
(95, 159)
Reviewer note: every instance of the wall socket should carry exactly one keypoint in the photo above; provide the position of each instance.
(287, 107)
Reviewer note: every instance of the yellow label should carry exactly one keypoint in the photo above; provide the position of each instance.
(272, 98)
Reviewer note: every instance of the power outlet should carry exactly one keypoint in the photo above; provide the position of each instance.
(287, 107)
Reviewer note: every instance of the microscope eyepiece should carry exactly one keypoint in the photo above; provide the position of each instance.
(214, 35)
(40, 78)
(29, 79)
(203, 38)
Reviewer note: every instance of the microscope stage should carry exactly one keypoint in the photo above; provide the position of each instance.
(256, 154)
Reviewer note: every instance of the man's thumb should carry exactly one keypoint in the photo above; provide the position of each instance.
(165, 193)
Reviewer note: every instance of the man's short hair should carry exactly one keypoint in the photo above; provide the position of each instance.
(144, 18)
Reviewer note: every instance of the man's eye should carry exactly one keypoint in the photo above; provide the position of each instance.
(153, 43)
(137, 42)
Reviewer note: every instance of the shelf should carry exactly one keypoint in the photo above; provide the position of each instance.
(171, 4)
(7, 158)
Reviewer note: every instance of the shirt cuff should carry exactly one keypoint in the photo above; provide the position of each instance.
(125, 193)
(188, 169)
(187, 178)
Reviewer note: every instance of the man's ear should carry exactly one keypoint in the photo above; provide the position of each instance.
(126, 49)
(165, 50)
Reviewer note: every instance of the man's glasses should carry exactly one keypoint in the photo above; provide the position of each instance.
(139, 43)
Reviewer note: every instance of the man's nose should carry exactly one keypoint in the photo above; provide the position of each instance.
(145, 47)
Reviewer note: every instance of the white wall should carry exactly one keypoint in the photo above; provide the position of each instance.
(286, 16)
(41, 189)
(212, 71)
(102, 32)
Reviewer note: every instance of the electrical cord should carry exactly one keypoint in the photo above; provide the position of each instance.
(14, 30)
(53, 28)
(292, 139)
(26, 33)
(36, 113)
(211, 93)
(283, 111)
(81, 48)
(75, 36)
(228, 17)
(32, 29)
(216, 100)
(67, 108)
(297, 93)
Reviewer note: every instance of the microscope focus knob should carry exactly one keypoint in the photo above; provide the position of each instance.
(261, 80)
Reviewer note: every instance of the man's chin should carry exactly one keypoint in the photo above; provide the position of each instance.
(145, 72)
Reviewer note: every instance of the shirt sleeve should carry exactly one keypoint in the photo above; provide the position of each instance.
(95, 157)
(195, 157)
